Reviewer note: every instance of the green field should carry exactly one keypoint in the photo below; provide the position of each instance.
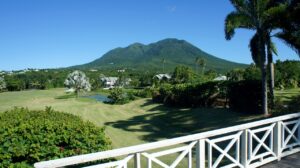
(134, 123)
(137, 122)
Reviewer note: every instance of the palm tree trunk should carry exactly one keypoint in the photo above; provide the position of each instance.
(264, 82)
(271, 83)
(271, 71)
(264, 90)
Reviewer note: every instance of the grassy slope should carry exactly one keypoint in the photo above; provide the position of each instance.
(134, 123)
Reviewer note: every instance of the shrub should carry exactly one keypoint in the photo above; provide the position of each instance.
(190, 95)
(118, 96)
(144, 93)
(28, 136)
(245, 96)
(294, 104)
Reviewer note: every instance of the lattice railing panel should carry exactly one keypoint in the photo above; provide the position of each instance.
(233, 142)
(248, 145)
(290, 135)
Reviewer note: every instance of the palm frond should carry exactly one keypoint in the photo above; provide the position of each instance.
(292, 39)
(261, 6)
(274, 14)
(254, 48)
(236, 20)
(241, 5)
(273, 48)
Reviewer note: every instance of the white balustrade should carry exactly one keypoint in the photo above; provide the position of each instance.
(247, 145)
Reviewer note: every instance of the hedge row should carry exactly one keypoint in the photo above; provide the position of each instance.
(28, 136)
(244, 96)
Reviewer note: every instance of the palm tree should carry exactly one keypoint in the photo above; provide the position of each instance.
(163, 61)
(254, 15)
(289, 24)
(197, 64)
(200, 62)
(284, 17)
(271, 49)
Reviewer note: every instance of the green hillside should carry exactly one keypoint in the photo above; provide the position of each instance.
(149, 57)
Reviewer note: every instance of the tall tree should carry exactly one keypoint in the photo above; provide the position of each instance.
(2, 84)
(282, 15)
(200, 62)
(78, 81)
(163, 61)
(254, 15)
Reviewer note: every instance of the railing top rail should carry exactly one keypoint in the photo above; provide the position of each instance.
(159, 144)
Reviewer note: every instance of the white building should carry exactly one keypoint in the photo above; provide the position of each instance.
(220, 78)
(109, 82)
(162, 76)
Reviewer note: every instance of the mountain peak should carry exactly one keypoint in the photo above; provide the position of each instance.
(171, 40)
(148, 57)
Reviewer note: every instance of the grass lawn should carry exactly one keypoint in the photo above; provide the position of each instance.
(286, 95)
(137, 122)
(134, 123)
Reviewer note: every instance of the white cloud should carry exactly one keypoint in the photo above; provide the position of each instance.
(172, 8)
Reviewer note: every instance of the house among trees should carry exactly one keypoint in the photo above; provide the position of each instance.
(220, 78)
(109, 82)
(162, 77)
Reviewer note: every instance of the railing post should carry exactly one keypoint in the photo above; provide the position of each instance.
(137, 160)
(299, 130)
(244, 148)
(200, 154)
(277, 140)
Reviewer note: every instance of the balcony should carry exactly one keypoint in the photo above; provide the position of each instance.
(248, 145)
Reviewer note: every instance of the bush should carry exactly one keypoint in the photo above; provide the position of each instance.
(190, 95)
(245, 96)
(28, 136)
(118, 96)
(144, 93)
(294, 104)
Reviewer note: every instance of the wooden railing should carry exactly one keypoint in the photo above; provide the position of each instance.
(247, 145)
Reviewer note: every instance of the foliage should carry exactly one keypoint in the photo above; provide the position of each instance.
(252, 73)
(28, 136)
(294, 104)
(144, 93)
(236, 74)
(119, 96)
(289, 24)
(2, 84)
(14, 84)
(247, 14)
(190, 95)
(244, 96)
(287, 74)
(182, 74)
(78, 81)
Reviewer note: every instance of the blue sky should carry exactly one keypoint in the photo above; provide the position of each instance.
(60, 33)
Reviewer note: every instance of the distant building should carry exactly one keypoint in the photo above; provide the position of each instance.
(220, 78)
(93, 70)
(162, 77)
(112, 82)
(121, 70)
(109, 82)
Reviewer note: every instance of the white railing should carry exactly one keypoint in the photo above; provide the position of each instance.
(247, 145)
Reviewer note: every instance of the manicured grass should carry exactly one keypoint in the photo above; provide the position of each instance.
(286, 95)
(134, 123)
(137, 122)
